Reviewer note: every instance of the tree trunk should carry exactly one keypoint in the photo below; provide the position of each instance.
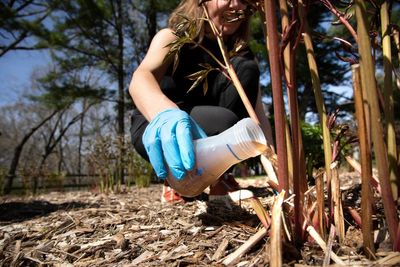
(151, 20)
(81, 129)
(121, 93)
(18, 151)
(50, 146)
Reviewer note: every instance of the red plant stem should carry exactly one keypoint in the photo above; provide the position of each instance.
(276, 81)
(356, 216)
(273, 185)
(342, 19)
(298, 162)
(397, 243)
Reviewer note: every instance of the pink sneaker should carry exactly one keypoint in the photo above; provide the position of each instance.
(169, 195)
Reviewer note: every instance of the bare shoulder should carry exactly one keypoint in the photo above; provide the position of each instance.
(163, 37)
(154, 59)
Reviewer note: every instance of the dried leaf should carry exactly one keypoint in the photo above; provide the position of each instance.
(205, 86)
(238, 49)
(200, 76)
(261, 213)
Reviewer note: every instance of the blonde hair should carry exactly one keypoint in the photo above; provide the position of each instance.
(191, 9)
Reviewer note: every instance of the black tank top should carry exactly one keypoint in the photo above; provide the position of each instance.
(176, 85)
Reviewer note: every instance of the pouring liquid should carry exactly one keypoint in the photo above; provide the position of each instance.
(216, 154)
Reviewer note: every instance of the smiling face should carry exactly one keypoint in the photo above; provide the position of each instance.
(219, 11)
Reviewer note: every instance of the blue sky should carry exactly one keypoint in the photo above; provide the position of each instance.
(16, 68)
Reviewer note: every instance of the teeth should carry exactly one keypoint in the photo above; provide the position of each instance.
(234, 15)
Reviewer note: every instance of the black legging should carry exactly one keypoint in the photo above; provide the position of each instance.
(213, 119)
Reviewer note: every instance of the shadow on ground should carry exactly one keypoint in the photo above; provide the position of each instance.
(220, 212)
(225, 211)
(12, 212)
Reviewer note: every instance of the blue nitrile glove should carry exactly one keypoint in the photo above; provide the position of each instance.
(170, 136)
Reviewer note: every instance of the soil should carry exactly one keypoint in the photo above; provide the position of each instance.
(133, 228)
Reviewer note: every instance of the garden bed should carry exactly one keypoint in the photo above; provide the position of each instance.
(134, 228)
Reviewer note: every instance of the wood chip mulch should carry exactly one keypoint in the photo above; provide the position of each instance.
(134, 228)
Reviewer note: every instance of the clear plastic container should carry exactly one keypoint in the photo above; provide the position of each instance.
(216, 154)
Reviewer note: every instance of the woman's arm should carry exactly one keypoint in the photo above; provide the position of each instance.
(145, 84)
(169, 135)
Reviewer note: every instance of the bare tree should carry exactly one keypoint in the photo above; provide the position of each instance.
(18, 151)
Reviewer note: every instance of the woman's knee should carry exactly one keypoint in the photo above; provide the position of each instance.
(214, 119)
